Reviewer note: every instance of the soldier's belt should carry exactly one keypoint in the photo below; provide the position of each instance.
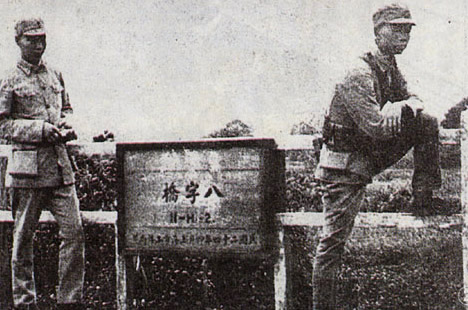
(339, 138)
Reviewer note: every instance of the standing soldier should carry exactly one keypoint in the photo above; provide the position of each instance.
(33, 104)
(372, 122)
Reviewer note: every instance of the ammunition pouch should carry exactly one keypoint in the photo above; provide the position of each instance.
(339, 138)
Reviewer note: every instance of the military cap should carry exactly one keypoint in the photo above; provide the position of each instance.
(30, 27)
(392, 14)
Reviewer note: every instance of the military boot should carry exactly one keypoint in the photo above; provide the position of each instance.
(421, 203)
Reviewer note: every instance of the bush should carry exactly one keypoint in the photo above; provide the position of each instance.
(301, 194)
(235, 128)
(310, 127)
(452, 117)
(304, 128)
(103, 137)
(96, 182)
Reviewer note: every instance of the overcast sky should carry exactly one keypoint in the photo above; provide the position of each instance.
(158, 70)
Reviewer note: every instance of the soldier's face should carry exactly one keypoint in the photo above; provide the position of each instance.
(393, 38)
(32, 47)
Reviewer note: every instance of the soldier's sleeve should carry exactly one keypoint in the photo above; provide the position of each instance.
(17, 130)
(360, 99)
(66, 106)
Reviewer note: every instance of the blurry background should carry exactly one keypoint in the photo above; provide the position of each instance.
(157, 70)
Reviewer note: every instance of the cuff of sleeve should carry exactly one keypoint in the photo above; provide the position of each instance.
(28, 131)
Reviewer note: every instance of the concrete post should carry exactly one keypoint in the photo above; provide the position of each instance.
(464, 200)
(280, 272)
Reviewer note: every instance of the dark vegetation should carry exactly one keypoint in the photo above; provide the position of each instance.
(309, 127)
(103, 137)
(96, 182)
(235, 128)
(452, 117)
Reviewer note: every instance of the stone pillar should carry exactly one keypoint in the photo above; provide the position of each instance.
(5, 242)
(464, 200)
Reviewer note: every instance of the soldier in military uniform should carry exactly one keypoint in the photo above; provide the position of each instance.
(372, 122)
(33, 107)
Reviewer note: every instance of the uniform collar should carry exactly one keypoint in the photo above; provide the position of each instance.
(385, 62)
(29, 68)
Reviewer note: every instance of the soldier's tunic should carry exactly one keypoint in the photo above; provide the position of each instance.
(358, 146)
(42, 177)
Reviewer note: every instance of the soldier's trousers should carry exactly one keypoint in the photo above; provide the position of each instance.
(422, 133)
(27, 204)
(341, 205)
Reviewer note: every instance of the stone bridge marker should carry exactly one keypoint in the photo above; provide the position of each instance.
(212, 197)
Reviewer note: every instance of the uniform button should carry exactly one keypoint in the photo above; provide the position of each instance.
(47, 105)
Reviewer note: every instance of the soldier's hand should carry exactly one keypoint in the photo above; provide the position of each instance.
(416, 105)
(68, 135)
(51, 133)
(67, 131)
(64, 125)
(392, 117)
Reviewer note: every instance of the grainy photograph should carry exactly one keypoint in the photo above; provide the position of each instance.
(233, 154)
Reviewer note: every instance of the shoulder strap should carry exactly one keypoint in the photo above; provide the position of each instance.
(381, 78)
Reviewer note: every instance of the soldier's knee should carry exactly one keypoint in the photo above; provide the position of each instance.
(428, 124)
(429, 120)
